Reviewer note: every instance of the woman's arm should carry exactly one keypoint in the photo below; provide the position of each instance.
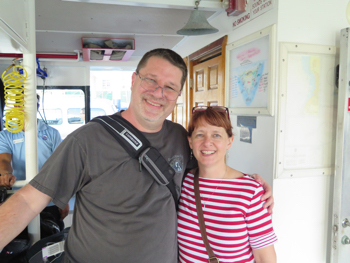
(265, 255)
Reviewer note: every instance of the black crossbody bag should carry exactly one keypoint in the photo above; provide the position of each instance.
(138, 147)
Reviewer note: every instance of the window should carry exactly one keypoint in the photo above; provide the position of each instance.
(52, 116)
(76, 115)
(97, 112)
(61, 108)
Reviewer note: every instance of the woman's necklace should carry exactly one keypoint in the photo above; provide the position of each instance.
(211, 195)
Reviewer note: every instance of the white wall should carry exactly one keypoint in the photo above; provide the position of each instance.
(258, 156)
(301, 219)
(311, 21)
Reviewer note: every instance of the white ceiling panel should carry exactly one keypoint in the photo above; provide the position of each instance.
(60, 25)
(208, 5)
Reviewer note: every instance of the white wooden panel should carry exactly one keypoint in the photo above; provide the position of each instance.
(14, 18)
(214, 5)
(66, 75)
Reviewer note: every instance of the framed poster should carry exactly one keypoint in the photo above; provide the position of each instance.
(307, 110)
(250, 71)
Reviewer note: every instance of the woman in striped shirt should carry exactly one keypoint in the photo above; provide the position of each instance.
(238, 228)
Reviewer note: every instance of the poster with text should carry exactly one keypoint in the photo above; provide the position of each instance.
(249, 74)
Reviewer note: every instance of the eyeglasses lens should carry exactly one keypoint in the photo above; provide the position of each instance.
(152, 86)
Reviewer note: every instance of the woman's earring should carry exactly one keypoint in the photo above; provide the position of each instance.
(191, 157)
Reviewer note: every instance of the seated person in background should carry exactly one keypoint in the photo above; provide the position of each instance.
(238, 227)
(12, 159)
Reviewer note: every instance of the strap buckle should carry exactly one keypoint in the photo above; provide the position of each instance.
(214, 258)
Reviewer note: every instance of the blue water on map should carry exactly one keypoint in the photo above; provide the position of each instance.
(248, 80)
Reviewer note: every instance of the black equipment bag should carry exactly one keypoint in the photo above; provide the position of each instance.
(138, 147)
(48, 225)
(34, 254)
(15, 251)
(3, 194)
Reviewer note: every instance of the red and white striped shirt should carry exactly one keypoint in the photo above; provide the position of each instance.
(234, 218)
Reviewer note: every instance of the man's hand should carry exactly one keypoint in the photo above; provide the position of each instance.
(268, 192)
(7, 180)
(64, 212)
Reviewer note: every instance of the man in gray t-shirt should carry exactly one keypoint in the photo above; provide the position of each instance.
(121, 213)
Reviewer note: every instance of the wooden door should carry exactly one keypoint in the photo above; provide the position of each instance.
(205, 83)
(179, 114)
(209, 83)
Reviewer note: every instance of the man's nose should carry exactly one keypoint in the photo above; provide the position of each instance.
(158, 92)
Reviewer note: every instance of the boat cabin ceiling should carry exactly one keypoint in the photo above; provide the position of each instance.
(61, 25)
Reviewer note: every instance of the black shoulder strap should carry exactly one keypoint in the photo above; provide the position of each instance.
(132, 140)
(137, 146)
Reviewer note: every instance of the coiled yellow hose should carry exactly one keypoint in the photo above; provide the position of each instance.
(14, 98)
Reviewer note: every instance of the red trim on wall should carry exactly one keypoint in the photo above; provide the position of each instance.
(57, 56)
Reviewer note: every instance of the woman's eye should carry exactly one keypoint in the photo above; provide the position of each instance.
(199, 135)
(217, 135)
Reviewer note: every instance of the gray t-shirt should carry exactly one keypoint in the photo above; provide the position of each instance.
(120, 213)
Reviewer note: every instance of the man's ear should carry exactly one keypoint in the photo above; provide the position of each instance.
(133, 79)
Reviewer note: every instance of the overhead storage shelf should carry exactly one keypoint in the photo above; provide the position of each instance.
(107, 49)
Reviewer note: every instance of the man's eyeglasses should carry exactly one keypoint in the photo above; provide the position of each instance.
(151, 85)
(221, 109)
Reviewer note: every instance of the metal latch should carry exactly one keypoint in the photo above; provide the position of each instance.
(345, 240)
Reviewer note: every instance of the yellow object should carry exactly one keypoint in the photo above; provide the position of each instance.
(14, 98)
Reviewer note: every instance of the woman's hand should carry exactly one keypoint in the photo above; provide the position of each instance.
(265, 255)
(268, 192)
(63, 212)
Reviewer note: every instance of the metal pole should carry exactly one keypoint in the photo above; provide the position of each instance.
(341, 210)
(31, 153)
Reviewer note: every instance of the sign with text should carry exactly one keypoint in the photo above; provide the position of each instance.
(254, 8)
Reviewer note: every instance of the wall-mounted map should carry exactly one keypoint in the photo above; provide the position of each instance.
(307, 110)
(249, 74)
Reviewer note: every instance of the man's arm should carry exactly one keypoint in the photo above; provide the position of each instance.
(19, 210)
(268, 192)
(7, 179)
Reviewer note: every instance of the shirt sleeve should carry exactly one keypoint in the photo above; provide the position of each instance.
(259, 223)
(4, 144)
(62, 175)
